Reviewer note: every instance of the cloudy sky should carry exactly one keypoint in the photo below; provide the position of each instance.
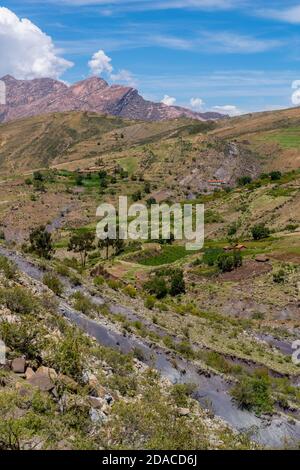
(234, 56)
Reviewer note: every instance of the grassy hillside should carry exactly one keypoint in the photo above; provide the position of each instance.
(230, 310)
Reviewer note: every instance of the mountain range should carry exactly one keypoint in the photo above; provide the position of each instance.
(26, 98)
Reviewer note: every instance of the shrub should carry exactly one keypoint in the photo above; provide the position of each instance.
(228, 261)
(54, 283)
(157, 286)
(18, 300)
(275, 175)
(279, 276)
(177, 283)
(82, 303)
(244, 180)
(149, 302)
(181, 392)
(211, 256)
(41, 242)
(130, 290)
(114, 284)
(253, 393)
(8, 267)
(98, 281)
(25, 338)
(69, 356)
(260, 231)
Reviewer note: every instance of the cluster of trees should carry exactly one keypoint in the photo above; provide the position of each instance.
(225, 261)
(260, 231)
(82, 242)
(274, 175)
(166, 281)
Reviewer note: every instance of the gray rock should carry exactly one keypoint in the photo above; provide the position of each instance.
(97, 416)
(18, 365)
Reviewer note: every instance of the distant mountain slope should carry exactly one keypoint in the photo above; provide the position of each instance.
(26, 98)
(55, 138)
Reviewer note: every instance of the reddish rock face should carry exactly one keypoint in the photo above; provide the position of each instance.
(25, 98)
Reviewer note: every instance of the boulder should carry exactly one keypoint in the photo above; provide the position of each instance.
(42, 381)
(18, 365)
(29, 373)
(51, 373)
(96, 402)
(68, 382)
(183, 411)
(261, 258)
(97, 416)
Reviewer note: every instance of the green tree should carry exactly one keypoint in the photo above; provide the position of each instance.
(41, 242)
(243, 180)
(82, 243)
(275, 175)
(260, 231)
(177, 283)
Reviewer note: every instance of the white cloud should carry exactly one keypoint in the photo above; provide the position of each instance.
(100, 63)
(124, 76)
(26, 51)
(197, 103)
(228, 109)
(288, 15)
(144, 5)
(168, 100)
(232, 43)
(296, 84)
(295, 98)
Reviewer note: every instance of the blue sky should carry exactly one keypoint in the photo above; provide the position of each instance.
(206, 54)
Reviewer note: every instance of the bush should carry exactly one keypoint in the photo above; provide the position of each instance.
(130, 290)
(279, 276)
(244, 180)
(41, 242)
(275, 175)
(98, 281)
(18, 300)
(253, 393)
(226, 262)
(8, 267)
(25, 338)
(177, 283)
(211, 256)
(157, 286)
(68, 356)
(150, 302)
(54, 283)
(82, 303)
(260, 231)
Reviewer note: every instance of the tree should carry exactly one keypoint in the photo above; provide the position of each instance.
(226, 262)
(275, 175)
(137, 196)
(147, 187)
(244, 180)
(82, 243)
(157, 286)
(105, 244)
(41, 242)
(150, 201)
(260, 231)
(177, 283)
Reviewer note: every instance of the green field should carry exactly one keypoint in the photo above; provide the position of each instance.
(287, 138)
(168, 254)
